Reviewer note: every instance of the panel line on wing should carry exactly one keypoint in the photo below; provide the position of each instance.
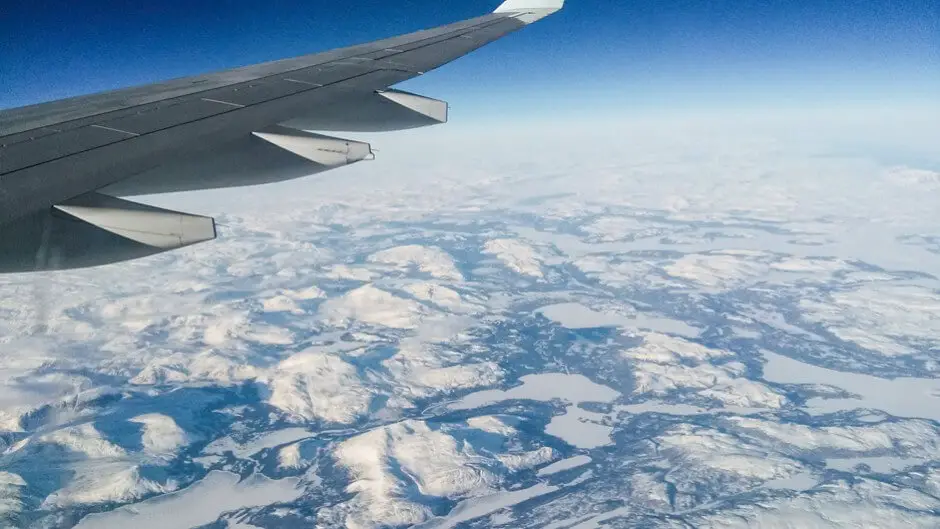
(288, 79)
(236, 105)
(112, 129)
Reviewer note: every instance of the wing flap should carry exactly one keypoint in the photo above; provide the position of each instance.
(93, 230)
(160, 229)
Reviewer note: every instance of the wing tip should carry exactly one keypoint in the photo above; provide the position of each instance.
(529, 11)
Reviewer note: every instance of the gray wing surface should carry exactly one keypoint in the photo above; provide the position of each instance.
(125, 142)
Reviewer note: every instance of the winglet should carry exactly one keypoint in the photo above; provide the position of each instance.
(529, 11)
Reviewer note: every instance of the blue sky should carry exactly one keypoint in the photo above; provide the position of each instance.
(596, 57)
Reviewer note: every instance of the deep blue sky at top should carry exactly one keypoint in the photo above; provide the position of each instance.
(595, 56)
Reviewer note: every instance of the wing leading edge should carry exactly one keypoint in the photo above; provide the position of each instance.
(184, 134)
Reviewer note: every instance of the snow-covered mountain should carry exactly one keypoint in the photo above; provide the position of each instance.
(745, 335)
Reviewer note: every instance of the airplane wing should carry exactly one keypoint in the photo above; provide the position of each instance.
(65, 164)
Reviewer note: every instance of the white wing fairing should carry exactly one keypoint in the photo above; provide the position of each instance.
(274, 154)
(385, 110)
(63, 163)
(322, 150)
(96, 229)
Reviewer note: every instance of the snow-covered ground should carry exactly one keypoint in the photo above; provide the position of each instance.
(743, 336)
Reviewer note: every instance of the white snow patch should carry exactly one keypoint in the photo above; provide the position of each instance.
(281, 304)
(516, 255)
(373, 306)
(161, 435)
(305, 294)
(441, 296)
(527, 460)
(658, 371)
(317, 385)
(720, 270)
(98, 471)
(881, 317)
(428, 259)
(112, 481)
(198, 504)
(661, 348)
(289, 457)
(650, 491)
(181, 368)
(691, 448)
(352, 273)
(227, 328)
(491, 424)
(84, 439)
(711, 382)
(431, 459)
(419, 371)
(912, 436)
(620, 274)
(429, 381)
(23, 391)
